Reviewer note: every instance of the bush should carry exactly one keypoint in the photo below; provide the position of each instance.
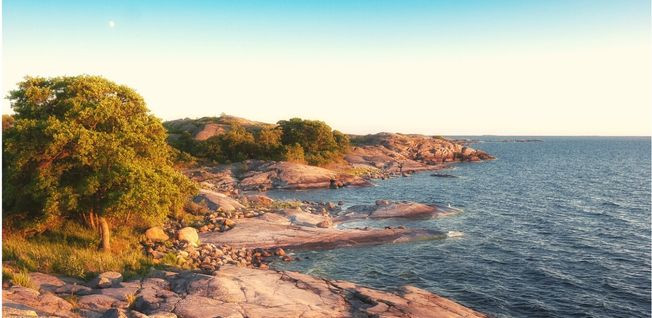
(294, 153)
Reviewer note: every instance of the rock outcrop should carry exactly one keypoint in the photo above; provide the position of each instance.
(260, 175)
(400, 152)
(215, 200)
(288, 175)
(384, 209)
(301, 230)
(235, 292)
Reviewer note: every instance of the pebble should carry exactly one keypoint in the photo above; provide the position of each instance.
(279, 252)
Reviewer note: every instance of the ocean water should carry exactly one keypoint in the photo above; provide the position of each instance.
(559, 228)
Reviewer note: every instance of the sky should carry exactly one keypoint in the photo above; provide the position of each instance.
(443, 67)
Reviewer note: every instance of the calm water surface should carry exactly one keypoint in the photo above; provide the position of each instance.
(553, 229)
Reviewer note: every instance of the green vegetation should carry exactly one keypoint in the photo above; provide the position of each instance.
(71, 249)
(295, 140)
(320, 144)
(7, 122)
(288, 204)
(86, 168)
(20, 277)
(363, 171)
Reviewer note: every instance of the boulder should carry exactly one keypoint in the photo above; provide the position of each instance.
(99, 303)
(107, 279)
(229, 223)
(45, 282)
(384, 209)
(279, 252)
(156, 234)
(73, 289)
(403, 210)
(188, 234)
(216, 200)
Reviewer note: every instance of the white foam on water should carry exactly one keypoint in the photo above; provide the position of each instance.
(455, 234)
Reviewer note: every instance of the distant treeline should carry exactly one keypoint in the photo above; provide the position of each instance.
(295, 140)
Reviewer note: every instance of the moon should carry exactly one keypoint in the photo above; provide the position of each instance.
(111, 24)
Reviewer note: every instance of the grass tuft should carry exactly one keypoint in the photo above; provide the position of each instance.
(20, 278)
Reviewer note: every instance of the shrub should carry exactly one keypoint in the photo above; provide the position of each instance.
(86, 148)
(294, 153)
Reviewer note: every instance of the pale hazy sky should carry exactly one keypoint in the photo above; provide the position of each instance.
(549, 67)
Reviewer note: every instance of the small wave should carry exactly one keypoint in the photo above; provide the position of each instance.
(454, 234)
(609, 203)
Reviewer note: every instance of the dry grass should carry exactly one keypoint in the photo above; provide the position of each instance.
(20, 278)
(72, 251)
(131, 298)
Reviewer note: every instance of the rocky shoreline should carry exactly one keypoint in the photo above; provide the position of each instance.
(217, 264)
(234, 292)
(221, 267)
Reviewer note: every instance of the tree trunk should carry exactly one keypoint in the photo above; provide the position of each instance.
(93, 223)
(91, 220)
(105, 244)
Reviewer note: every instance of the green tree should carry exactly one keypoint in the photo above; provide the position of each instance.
(86, 148)
(210, 148)
(237, 144)
(294, 153)
(342, 141)
(268, 141)
(315, 137)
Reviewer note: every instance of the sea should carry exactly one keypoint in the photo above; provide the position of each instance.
(557, 228)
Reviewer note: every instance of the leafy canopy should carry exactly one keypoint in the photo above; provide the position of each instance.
(320, 144)
(84, 143)
(296, 140)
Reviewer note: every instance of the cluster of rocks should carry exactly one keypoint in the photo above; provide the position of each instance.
(187, 252)
(322, 207)
(214, 221)
(220, 221)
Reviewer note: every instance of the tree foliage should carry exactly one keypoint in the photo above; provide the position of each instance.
(319, 142)
(84, 145)
(296, 140)
(7, 122)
